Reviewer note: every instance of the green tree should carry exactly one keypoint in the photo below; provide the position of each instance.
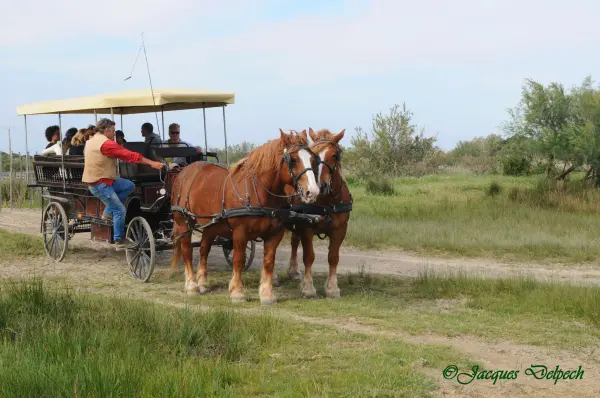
(395, 146)
(548, 121)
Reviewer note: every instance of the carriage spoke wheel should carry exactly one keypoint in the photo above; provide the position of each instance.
(250, 250)
(142, 256)
(55, 231)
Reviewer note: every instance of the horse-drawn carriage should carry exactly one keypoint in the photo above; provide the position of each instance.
(68, 207)
(276, 187)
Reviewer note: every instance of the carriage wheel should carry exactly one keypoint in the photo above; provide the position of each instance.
(250, 250)
(142, 256)
(55, 225)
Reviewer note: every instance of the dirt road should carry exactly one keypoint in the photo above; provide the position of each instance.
(388, 262)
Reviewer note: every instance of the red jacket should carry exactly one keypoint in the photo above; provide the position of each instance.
(111, 149)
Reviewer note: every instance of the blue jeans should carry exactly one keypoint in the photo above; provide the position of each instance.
(114, 198)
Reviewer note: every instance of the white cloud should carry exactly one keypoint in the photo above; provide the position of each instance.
(370, 39)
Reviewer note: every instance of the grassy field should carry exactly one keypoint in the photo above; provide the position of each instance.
(454, 214)
(54, 342)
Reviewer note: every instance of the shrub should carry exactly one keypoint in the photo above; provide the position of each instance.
(351, 180)
(380, 186)
(516, 165)
(494, 189)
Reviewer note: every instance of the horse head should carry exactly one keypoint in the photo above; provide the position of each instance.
(326, 146)
(298, 166)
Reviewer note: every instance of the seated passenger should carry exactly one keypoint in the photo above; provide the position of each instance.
(52, 135)
(120, 137)
(78, 142)
(100, 173)
(149, 135)
(175, 141)
(58, 148)
(66, 143)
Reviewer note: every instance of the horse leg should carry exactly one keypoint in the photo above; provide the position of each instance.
(293, 272)
(236, 286)
(191, 286)
(205, 246)
(265, 291)
(335, 241)
(308, 256)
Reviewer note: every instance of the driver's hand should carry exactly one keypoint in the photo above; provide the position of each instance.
(156, 165)
(199, 149)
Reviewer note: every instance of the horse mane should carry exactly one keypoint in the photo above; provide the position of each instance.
(265, 158)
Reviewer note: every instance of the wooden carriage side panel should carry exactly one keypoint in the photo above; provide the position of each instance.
(102, 233)
(94, 208)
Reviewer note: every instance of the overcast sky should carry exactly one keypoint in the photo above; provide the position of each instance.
(295, 64)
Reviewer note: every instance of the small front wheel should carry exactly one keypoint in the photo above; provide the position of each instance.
(55, 231)
(142, 256)
(250, 251)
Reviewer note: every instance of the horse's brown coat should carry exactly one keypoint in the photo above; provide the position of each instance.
(213, 186)
(326, 144)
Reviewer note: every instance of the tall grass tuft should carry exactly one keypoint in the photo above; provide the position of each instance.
(517, 294)
(380, 186)
(54, 343)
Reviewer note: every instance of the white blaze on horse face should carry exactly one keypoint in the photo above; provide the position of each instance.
(321, 156)
(313, 187)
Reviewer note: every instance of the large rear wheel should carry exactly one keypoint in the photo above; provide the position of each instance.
(250, 251)
(142, 256)
(55, 231)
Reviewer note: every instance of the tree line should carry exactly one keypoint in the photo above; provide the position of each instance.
(552, 131)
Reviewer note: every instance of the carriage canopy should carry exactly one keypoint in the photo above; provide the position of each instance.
(131, 102)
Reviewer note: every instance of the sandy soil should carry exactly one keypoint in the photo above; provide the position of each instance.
(91, 266)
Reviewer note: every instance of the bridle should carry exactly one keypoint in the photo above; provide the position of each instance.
(287, 159)
(332, 170)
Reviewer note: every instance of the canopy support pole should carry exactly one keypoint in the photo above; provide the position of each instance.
(225, 133)
(162, 114)
(112, 115)
(10, 172)
(205, 139)
(96, 116)
(27, 162)
(26, 153)
(121, 119)
(62, 156)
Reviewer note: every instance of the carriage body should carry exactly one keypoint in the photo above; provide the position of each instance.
(69, 208)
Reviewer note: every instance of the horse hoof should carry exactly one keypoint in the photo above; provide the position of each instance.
(295, 275)
(202, 289)
(269, 300)
(333, 293)
(191, 288)
(309, 294)
(237, 298)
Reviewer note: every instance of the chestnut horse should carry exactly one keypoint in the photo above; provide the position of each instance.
(334, 199)
(238, 203)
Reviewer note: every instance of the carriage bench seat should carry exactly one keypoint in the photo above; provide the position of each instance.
(48, 170)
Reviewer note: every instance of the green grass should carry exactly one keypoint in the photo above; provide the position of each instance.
(17, 245)
(517, 309)
(56, 343)
(456, 214)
